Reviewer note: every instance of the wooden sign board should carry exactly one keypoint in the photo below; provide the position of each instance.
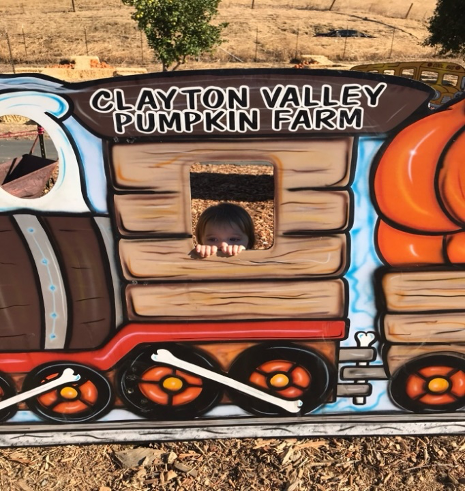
(350, 323)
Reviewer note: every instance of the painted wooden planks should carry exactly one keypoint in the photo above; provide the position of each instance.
(234, 301)
(162, 167)
(304, 211)
(290, 257)
(424, 328)
(418, 291)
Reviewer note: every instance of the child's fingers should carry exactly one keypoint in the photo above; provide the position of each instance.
(227, 249)
(200, 250)
(239, 249)
(232, 250)
(206, 250)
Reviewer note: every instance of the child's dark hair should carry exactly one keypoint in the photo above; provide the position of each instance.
(227, 213)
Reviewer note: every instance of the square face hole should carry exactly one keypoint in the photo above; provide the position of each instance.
(249, 184)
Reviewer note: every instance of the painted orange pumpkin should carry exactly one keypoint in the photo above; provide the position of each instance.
(419, 188)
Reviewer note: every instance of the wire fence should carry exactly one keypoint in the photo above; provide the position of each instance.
(26, 48)
(131, 49)
(105, 29)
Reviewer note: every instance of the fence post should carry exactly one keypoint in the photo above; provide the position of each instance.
(409, 10)
(11, 53)
(344, 46)
(85, 39)
(391, 47)
(257, 44)
(297, 40)
(142, 49)
(73, 5)
(252, 4)
(333, 3)
(24, 41)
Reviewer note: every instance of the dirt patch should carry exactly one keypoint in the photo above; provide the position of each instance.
(273, 32)
(17, 131)
(308, 464)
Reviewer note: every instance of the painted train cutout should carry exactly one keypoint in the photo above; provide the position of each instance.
(360, 298)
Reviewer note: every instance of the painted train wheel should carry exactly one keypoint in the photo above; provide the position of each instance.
(88, 398)
(288, 372)
(160, 391)
(7, 390)
(432, 383)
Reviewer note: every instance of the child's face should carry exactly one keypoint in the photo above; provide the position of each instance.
(223, 234)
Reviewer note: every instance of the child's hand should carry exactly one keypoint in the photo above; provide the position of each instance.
(206, 250)
(232, 250)
(211, 250)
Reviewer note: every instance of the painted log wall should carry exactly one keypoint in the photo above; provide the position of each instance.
(312, 216)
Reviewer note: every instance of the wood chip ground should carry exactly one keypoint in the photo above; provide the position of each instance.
(340, 464)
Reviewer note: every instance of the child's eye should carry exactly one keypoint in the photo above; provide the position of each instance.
(234, 239)
(212, 239)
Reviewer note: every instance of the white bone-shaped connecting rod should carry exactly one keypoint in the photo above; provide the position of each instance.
(67, 376)
(164, 356)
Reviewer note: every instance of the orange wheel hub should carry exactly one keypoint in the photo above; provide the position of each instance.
(279, 380)
(69, 393)
(283, 377)
(173, 384)
(438, 385)
(169, 387)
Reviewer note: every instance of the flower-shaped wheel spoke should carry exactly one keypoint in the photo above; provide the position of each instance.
(430, 383)
(160, 391)
(286, 379)
(170, 387)
(88, 398)
(289, 372)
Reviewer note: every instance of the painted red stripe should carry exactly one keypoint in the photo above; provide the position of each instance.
(131, 335)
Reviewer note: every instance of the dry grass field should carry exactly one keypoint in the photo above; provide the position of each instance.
(270, 34)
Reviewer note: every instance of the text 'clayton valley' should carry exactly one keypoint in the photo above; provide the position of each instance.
(238, 109)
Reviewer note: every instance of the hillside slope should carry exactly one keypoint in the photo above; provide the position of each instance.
(271, 33)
